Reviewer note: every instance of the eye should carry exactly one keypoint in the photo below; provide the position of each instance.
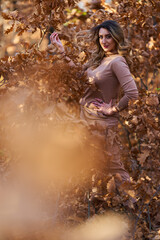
(100, 37)
(108, 36)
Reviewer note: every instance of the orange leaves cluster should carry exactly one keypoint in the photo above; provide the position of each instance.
(144, 124)
(40, 15)
(48, 75)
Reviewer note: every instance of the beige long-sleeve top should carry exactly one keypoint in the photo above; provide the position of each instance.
(106, 80)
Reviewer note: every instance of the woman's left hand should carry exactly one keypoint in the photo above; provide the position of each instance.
(104, 108)
(106, 111)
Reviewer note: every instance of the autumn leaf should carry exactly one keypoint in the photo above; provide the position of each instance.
(152, 101)
(111, 186)
(143, 156)
(9, 29)
(6, 16)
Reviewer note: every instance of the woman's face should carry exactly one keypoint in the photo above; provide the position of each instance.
(106, 41)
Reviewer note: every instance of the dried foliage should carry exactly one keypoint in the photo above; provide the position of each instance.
(49, 91)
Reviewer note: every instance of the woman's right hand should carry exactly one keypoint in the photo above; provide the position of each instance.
(56, 41)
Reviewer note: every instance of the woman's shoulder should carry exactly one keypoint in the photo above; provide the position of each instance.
(118, 58)
(118, 62)
(114, 58)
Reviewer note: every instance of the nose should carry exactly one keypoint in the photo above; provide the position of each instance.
(103, 40)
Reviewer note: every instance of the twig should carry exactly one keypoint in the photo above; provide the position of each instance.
(139, 145)
(158, 189)
(142, 208)
(42, 38)
(2, 82)
(127, 133)
(135, 226)
(149, 218)
(151, 2)
(146, 78)
(89, 204)
(142, 83)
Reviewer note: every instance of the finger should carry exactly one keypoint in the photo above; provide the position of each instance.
(99, 113)
(97, 103)
(99, 109)
(52, 38)
(52, 35)
(97, 106)
(98, 99)
(110, 102)
(104, 104)
(56, 37)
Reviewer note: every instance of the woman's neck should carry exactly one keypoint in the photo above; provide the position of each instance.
(107, 54)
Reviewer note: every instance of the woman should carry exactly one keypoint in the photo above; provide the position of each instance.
(107, 71)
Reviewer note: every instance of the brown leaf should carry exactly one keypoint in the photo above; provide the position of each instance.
(111, 186)
(152, 101)
(6, 16)
(142, 157)
(9, 29)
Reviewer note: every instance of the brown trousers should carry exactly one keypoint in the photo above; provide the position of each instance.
(109, 133)
(113, 148)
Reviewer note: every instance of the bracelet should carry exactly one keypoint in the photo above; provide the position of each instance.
(117, 108)
(68, 60)
(63, 53)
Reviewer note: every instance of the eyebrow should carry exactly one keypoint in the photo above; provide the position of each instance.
(105, 34)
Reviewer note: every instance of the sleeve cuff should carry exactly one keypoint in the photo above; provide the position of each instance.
(117, 108)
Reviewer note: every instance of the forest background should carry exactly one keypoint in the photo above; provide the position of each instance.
(39, 95)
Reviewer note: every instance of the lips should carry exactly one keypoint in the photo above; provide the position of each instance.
(106, 46)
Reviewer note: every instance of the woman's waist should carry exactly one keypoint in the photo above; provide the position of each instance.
(92, 114)
(97, 123)
(87, 100)
(89, 107)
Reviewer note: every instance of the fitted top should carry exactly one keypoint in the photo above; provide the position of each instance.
(106, 80)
